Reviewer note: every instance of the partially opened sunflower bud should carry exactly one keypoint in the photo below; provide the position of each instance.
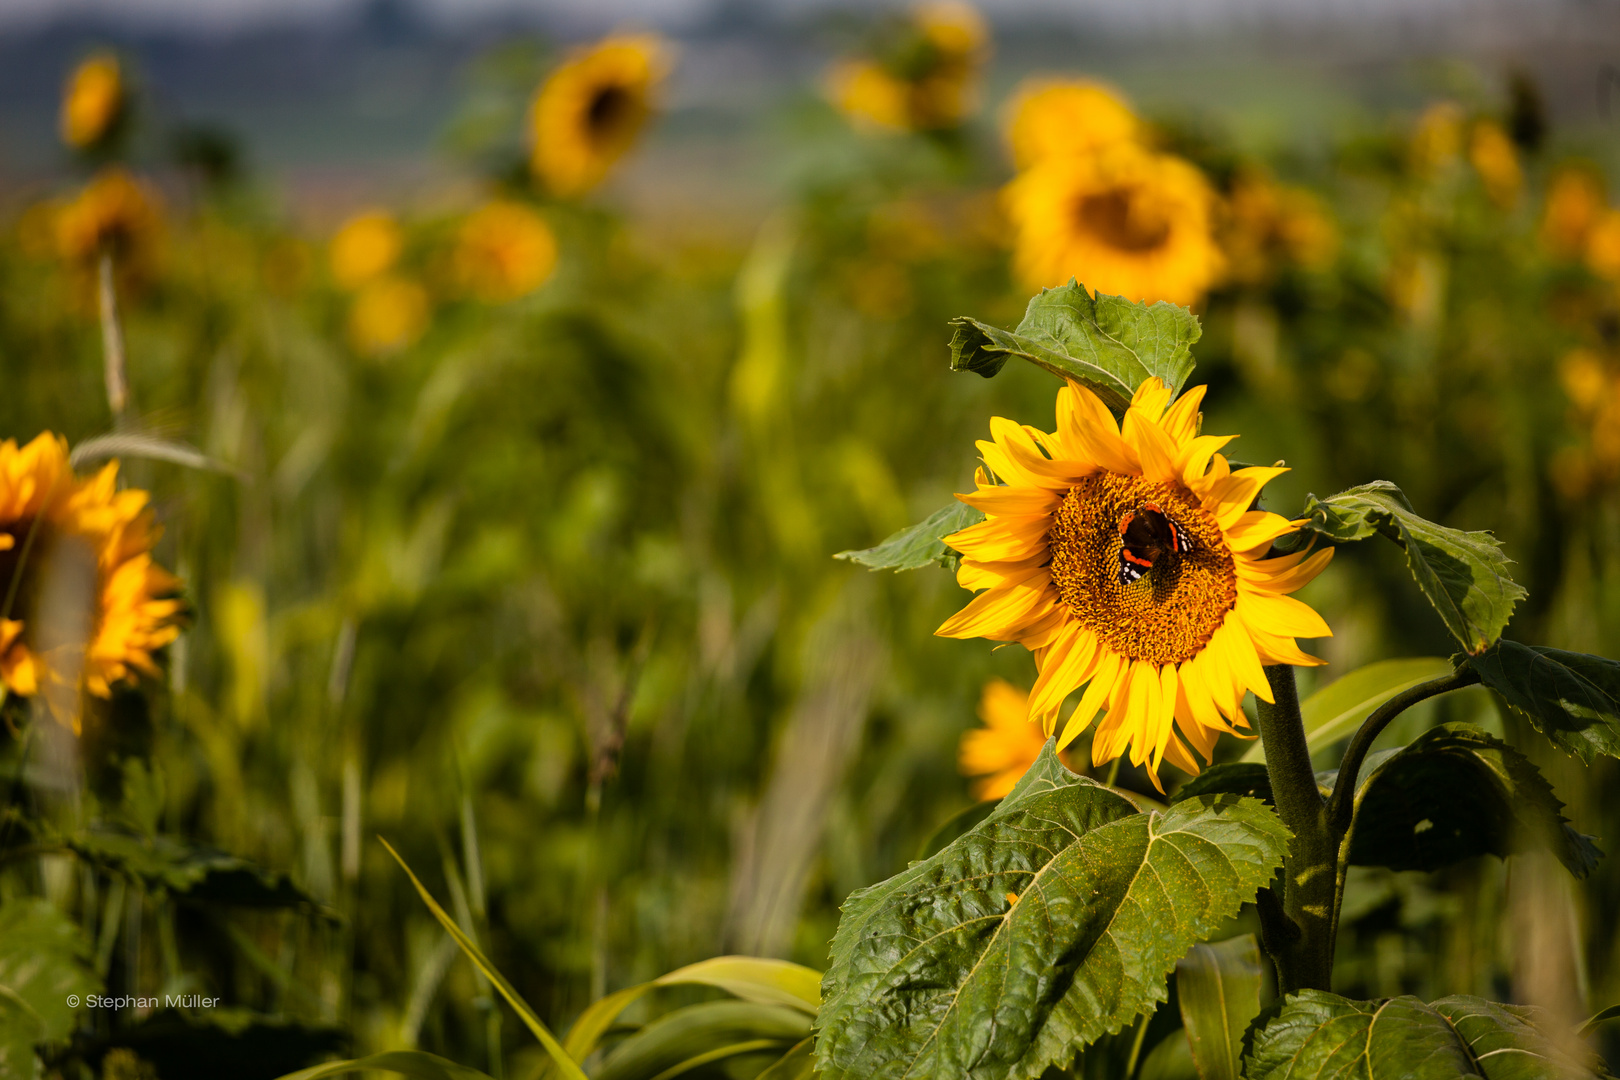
(94, 103)
(114, 215)
(924, 79)
(87, 608)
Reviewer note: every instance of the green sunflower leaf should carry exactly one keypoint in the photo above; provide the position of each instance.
(1319, 1035)
(182, 869)
(1049, 924)
(1571, 698)
(1107, 343)
(1463, 574)
(1454, 793)
(44, 962)
(920, 544)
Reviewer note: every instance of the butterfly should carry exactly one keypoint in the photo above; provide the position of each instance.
(1146, 535)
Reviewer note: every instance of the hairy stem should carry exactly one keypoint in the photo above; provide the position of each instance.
(1298, 934)
(1342, 806)
(112, 340)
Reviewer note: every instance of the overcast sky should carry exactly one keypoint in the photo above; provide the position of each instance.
(226, 15)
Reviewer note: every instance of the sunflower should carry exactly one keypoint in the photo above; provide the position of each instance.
(1130, 221)
(1575, 201)
(1603, 245)
(1437, 139)
(1268, 224)
(388, 314)
(114, 214)
(365, 246)
(1496, 160)
(926, 82)
(93, 103)
(1052, 118)
(1127, 557)
(589, 112)
(1001, 751)
(504, 250)
(52, 521)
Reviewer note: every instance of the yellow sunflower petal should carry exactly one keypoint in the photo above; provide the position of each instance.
(1019, 446)
(1255, 531)
(1194, 459)
(1285, 574)
(1280, 615)
(1112, 735)
(1195, 687)
(976, 575)
(1229, 499)
(1000, 539)
(1180, 421)
(1043, 630)
(1238, 650)
(1013, 501)
(1110, 669)
(1178, 755)
(1169, 692)
(1153, 447)
(1282, 650)
(1071, 661)
(1095, 434)
(1151, 398)
(996, 613)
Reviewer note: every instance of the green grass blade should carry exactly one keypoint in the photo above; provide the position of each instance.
(717, 1054)
(753, 978)
(413, 1063)
(569, 1067)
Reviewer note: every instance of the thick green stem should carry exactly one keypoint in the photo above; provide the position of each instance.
(1299, 932)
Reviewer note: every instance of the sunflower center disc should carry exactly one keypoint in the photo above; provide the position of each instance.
(1167, 615)
(1120, 219)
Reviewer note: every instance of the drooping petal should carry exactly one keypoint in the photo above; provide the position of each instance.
(1257, 529)
(1229, 499)
(1193, 460)
(1069, 663)
(1195, 688)
(1043, 630)
(1178, 755)
(1280, 615)
(1239, 652)
(1285, 574)
(1104, 680)
(1169, 693)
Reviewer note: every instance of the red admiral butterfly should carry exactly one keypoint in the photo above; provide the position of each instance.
(1145, 535)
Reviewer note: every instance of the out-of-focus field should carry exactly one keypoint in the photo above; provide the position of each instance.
(519, 552)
